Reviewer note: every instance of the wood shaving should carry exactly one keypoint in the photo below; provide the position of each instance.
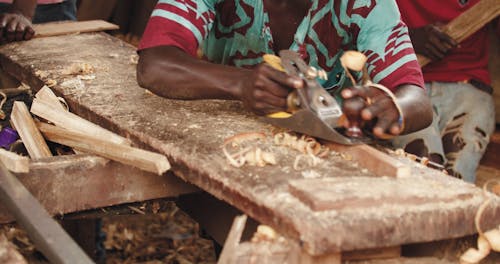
(251, 155)
(51, 82)
(264, 233)
(304, 161)
(304, 144)
(78, 69)
(134, 59)
(487, 241)
(41, 74)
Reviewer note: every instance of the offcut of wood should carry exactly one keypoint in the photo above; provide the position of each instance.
(142, 159)
(468, 23)
(375, 161)
(46, 95)
(70, 121)
(14, 162)
(230, 249)
(71, 27)
(32, 139)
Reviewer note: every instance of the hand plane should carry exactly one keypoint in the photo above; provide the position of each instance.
(311, 109)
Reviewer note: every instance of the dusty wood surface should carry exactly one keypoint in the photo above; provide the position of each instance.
(71, 27)
(190, 134)
(71, 183)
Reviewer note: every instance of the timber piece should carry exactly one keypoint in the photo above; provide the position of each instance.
(143, 159)
(72, 183)
(468, 23)
(228, 254)
(367, 192)
(70, 121)
(191, 133)
(15, 91)
(379, 163)
(32, 139)
(48, 236)
(9, 253)
(72, 27)
(14, 162)
(46, 95)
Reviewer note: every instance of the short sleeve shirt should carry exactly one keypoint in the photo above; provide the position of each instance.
(237, 32)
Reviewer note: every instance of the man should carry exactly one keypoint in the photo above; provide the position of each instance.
(238, 33)
(459, 85)
(16, 16)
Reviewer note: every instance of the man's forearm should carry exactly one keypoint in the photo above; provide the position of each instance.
(24, 7)
(416, 107)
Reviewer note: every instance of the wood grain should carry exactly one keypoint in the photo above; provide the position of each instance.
(468, 23)
(71, 27)
(14, 162)
(32, 139)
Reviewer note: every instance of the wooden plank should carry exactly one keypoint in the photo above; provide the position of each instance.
(70, 121)
(14, 162)
(469, 22)
(71, 27)
(190, 134)
(143, 159)
(48, 236)
(228, 254)
(366, 192)
(32, 139)
(379, 163)
(71, 183)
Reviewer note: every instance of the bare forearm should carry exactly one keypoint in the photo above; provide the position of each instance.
(171, 73)
(416, 107)
(24, 7)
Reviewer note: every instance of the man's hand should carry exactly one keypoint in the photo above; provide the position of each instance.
(365, 104)
(431, 41)
(15, 27)
(265, 89)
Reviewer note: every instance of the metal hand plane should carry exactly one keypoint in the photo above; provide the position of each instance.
(311, 109)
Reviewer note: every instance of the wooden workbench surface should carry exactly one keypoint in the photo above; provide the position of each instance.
(367, 211)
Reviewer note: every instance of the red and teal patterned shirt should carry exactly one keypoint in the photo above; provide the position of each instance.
(237, 32)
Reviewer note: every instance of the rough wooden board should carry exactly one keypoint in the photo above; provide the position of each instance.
(71, 27)
(342, 193)
(379, 163)
(71, 183)
(190, 134)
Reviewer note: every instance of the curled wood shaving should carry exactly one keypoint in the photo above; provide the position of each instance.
(251, 155)
(304, 144)
(487, 241)
(78, 69)
(264, 233)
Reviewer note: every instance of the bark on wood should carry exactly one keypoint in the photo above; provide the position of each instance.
(32, 139)
(374, 160)
(70, 121)
(14, 162)
(468, 23)
(64, 28)
(143, 159)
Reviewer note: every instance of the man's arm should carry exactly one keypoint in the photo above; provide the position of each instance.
(16, 24)
(170, 72)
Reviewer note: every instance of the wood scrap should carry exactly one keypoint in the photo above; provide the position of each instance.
(71, 27)
(468, 23)
(9, 253)
(46, 95)
(229, 250)
(376, 161)
(13, 162)
(102, 146)
(33, 141)
(70, 121)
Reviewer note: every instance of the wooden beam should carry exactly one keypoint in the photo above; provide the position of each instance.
(70, 121)
(32, 139)
(14, 162)
(375, 161)
(143, 159)
(48, 236)
(71, 27)
(468, 23)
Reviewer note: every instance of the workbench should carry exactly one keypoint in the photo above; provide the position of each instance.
(368, 211)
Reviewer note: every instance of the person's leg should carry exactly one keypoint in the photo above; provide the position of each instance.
(426, 142)
(55, 12)
(467, 124)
